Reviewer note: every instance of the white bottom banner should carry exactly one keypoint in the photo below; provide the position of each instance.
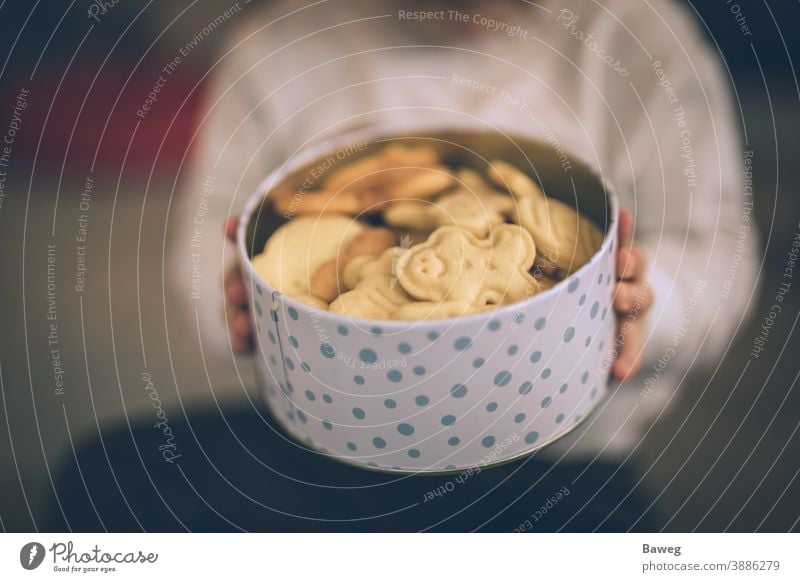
(389, 557)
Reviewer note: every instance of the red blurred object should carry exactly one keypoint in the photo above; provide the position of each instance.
(64, 128)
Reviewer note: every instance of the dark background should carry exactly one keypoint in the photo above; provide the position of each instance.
(727, 456)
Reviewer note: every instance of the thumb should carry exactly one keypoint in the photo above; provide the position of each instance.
(625, 232)
(230, 228)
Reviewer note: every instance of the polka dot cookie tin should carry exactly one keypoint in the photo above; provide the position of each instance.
(401, 331)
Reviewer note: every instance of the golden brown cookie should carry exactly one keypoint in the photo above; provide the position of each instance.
(453, 267)
(377, 295)
(299, 247)
(477, 213)
(353, 202)
(393, 156)
(327, 282)
(474, 206)
(563, 236)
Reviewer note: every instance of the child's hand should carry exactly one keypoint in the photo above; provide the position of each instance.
(632, 299)
(237, 309)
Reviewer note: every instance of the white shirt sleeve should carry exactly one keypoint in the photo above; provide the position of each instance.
(229, 159)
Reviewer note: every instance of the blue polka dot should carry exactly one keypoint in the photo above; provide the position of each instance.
(293, 313)
(294, 342)
(512, 350)
(302, 416)
(494, 325)
(289, 387)
(582, 300)
(414, 453)
(540, 323)
(488, 441)
(608, 280)
(421, 400)
(536, 356)
(376, 331)
(593, 393)
(563, 388)
(600, 278)
(588, 341)
(379, 443)
(389, 403)
(327, 350)
(394, 376)
(519, 317)
(342, 329)
(271, 336)
(449, 467)
(601, 345)
(259, 289)
(258, 309)
(405, 429)
(327, 398)
(305, 366)
(462, 344)
(519, 418)
(352, 446)
(525, 388)
(448, 420)
(458, 391)
(584, 377)
(546, 373)
(310, 395)
(290, 416)
(327, 425)
(546, 401)
(273, 360)
(404, 348)
(453, 441)
(491, 407)
(603, 315)
(368, 356)
(573, 285)
(359, 380)
(502, 378)
(289, 363)
(433, 335)
(531, 437)
(559, 419)
(594, 310)
(419, 370)
(359, 413)
(569, 333)
(478, 362)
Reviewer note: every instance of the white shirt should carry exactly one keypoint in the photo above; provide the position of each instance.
(295, 75)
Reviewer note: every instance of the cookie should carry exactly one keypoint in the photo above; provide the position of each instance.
(454, 266)
(477, 213)
(299, 247)
(393, 156)
(563, 236)
(352, 202)
(474, 206)
(327, 282)
(377, 295)
(411, 215)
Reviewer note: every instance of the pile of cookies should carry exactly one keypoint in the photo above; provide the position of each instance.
(401, 235)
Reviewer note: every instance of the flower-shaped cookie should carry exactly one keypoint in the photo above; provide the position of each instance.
(453, 268)
(563, 236)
